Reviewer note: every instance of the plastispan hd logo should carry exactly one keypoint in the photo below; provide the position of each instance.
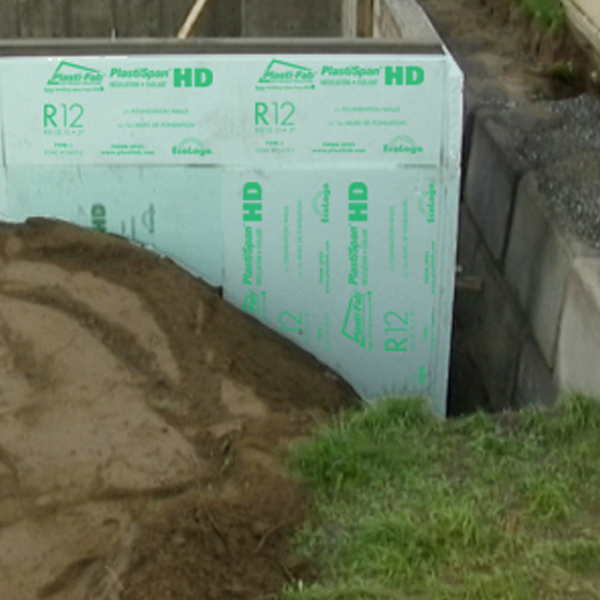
(71, 74)
(350, 75)
(402, 144)
(139, 73)
(286, 74)
(350, 71)
(138, 77)
(320, 203)
(191, 147)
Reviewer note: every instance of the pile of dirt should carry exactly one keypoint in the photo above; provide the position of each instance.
(141, 423)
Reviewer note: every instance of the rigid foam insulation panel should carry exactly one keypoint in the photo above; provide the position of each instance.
(317, 184)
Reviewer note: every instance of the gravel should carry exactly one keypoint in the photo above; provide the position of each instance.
(565, 150)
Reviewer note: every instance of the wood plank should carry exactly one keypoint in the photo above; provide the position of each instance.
(410, 20)
(59, 18)
(42, 19)
(173, 15)
(293, 18)
(227, 18)
(27, 21)
(9, 22)
(138, 18)
(191, 20)
(584, 17)
(91, 18)
(364, 24)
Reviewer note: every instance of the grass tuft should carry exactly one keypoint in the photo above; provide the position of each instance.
(485, 507)
(550, 14)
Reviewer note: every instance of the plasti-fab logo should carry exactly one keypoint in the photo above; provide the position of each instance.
(355, 322)
(72, 74)
(284, 73)
(255, 304)
(191, 147)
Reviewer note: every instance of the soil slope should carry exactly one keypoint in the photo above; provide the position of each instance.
(141, 422)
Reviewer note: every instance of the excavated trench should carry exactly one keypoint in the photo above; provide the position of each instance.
(530, 209)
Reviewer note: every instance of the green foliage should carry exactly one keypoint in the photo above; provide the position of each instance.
(550, 14)
(490, 506)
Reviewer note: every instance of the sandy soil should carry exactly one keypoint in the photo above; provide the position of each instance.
(141, 423)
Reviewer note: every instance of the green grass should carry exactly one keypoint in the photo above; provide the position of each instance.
(550, 14)
(410, 507)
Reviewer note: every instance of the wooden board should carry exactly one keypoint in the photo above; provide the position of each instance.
(92, 19)
(9, 20)
(138, 18)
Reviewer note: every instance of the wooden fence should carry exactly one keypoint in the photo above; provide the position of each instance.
(106, 18)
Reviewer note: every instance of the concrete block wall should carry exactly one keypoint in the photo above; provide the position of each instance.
(534, 330)
(578, 354)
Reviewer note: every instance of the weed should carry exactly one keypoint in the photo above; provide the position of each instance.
(550, 14)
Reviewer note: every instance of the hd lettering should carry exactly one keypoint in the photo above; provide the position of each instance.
(197, 78)
(251, 216)
(357, 202)
(404, 76)
(358, 246)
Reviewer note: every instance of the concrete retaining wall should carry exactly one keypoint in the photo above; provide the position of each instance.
(534, 329)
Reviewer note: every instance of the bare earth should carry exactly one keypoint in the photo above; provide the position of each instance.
(141, 426)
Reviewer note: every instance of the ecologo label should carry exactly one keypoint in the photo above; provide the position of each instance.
(357, 318)
(138, 77)
(71, 75)
(320, 203)
(350, 75)
(191, 147)
(426, 204)
(284, 74)
(402, 144)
